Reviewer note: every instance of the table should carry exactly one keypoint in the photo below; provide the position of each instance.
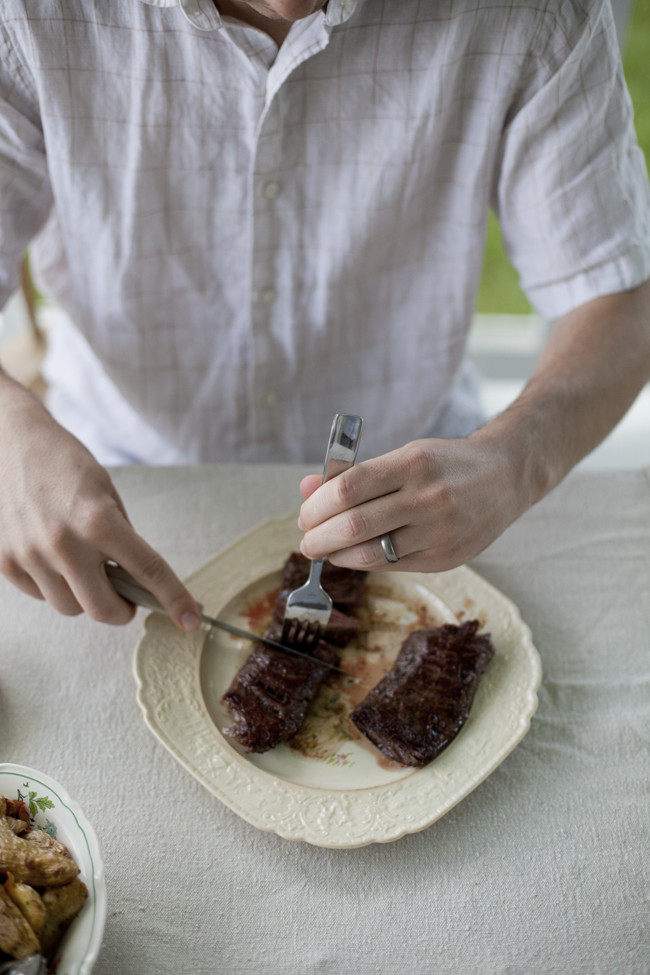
(542, 869)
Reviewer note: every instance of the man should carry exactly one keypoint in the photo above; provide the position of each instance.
(256, 214)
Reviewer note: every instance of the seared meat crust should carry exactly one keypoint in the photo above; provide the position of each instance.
(421, 704)
(270, 694)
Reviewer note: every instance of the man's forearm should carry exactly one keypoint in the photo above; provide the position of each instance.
(61, 519)
(596, 361)
(13, 395)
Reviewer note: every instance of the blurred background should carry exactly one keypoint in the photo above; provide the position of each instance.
(506, 336)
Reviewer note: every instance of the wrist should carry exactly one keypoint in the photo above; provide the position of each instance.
(17, 404)
(525, 467)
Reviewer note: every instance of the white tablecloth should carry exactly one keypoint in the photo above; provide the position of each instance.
(542, 869)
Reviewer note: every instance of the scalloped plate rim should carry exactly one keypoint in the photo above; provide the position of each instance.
(309, 794)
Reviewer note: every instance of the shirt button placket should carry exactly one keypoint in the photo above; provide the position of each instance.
(268, 296)
(266, 189)
(271, 190)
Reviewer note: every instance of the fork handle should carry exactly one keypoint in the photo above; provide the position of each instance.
(341, 454)
(342, 450)
(343, 446)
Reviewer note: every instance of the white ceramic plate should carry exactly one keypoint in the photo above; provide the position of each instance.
(330, 790)
(53, 810)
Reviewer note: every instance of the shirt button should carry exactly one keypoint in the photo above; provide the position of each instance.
(271, 189)
(268, 296)
(271, 399)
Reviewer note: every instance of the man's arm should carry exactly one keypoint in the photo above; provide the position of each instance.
(444, 501)
(61, 519)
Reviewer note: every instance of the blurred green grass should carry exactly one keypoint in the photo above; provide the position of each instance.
(499, 292)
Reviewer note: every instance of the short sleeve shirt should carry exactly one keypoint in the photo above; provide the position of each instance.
(244, 239)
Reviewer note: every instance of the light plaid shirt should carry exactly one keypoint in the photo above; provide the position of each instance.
(246, 240)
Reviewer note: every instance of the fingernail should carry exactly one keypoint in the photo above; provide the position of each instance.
(300, 524)
(190, 622)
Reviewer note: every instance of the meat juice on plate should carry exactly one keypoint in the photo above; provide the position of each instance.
(390, 613)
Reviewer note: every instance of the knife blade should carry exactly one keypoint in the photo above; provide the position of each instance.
(126, 586)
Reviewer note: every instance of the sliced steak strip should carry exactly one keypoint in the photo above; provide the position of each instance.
(271, 693)
(421, 704)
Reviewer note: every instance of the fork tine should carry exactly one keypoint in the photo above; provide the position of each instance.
(309, 605)
(288, 629)
(301, 635)
(310, 635)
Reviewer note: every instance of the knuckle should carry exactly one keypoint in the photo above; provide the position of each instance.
(29, 555)
(354, 525)
(7, 565)
(159, 578)
(345, 489)
(306, 547)
(443, 499)
(56, 535)
(63, 601)
(153, 570)
(95, 519)
(417, 462)
(366, 558)
(109, 613)
(100, 612)
(124, 618)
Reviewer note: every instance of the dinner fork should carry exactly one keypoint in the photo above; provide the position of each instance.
(309, 608)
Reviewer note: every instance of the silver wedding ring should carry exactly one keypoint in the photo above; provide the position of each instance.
(388, 549)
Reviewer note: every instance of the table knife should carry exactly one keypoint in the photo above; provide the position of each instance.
(126, 586)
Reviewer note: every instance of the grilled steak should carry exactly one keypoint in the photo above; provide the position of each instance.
(347, 587)
(421, 704)
(341, 629)
(270, 694)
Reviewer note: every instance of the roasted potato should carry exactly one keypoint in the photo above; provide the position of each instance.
(40, 893)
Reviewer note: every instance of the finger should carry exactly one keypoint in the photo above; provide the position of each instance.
(310, 484)
(370, 557)
(433, 546)
(98, 598)
(357, 525)
(22, 580)
(113, 538)
(153, 572)
(353, 487)
(56, 591)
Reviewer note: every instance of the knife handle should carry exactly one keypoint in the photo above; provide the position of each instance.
(126, 586)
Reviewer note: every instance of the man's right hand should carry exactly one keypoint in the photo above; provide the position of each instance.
(61, 520)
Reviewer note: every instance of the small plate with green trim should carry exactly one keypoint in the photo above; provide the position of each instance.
(51, 809)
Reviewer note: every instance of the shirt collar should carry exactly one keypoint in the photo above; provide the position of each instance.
(204, 14)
